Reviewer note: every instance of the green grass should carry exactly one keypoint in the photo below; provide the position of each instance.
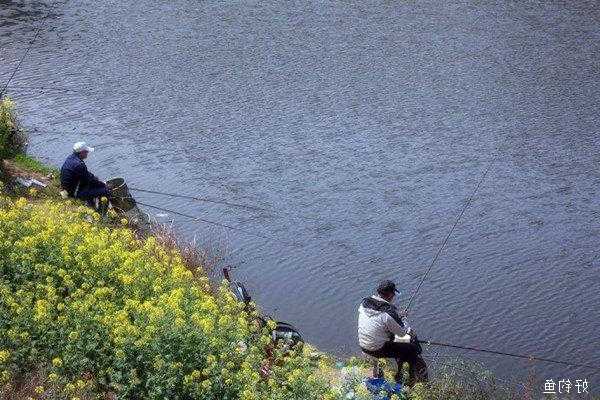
(29, 163)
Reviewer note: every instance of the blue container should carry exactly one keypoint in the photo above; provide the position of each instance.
(382, 389)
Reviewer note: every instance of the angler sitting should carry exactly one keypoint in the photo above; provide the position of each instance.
(382, 333)
(77, 181)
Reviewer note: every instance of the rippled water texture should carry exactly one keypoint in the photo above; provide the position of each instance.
(365, 127)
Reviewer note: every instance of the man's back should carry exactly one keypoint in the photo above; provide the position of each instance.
(378, 322)
(70, 173)
(75, 175)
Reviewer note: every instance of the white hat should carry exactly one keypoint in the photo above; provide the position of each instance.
(81, 146)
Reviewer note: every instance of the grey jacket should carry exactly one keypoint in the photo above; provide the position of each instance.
(378, 322)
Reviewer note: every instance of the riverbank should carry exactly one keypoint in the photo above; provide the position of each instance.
(93, 311)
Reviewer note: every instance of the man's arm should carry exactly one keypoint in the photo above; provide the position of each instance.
(396, 326)
(70, 177)
(91, 178)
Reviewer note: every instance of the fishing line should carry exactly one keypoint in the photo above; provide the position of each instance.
(37, 33)
(201, 219)
(216, 223)
(501, 353)
(448, 236)
(44, 88)
(183, 196)
(246, 206)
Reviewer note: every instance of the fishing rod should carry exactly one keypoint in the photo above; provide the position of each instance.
(37, 33)
(501, 353)
(435, 258)
(183, 196)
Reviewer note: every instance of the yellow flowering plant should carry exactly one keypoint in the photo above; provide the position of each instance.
(104, 312)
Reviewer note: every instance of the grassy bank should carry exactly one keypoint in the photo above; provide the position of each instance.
(88, 310)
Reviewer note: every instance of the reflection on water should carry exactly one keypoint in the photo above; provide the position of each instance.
(365, 127)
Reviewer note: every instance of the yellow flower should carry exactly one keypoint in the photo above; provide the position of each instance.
(247, 395)
(362, 391)
(124, 221)
(4, 376)
(4, 356)
(211, 359)
(39, 389)
(195, 374)
(53, 377)
(57, 362)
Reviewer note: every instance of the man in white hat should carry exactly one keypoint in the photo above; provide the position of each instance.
(77, 181)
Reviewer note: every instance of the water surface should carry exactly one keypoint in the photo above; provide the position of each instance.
(365, 127)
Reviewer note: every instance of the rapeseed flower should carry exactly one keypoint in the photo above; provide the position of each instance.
(122, 302)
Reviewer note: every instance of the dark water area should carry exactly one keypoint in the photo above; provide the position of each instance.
(365, 127)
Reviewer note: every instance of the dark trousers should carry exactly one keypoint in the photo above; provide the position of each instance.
(89, 194)
(404, 353)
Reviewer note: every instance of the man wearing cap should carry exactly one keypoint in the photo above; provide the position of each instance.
(77, 181)
(383, 333)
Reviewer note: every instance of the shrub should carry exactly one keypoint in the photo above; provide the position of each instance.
(461, 380)
(12, 137)
(102, 312)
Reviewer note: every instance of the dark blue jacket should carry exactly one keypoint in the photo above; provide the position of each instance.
(74, 173)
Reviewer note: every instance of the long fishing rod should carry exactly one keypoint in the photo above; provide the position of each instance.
(183, 196)
(37, 33)
(448, 236)
(203, 220)
(501, 353)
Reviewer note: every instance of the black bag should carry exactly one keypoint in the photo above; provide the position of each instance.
(286, 334)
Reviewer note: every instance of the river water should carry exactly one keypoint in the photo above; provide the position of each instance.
(364, 127)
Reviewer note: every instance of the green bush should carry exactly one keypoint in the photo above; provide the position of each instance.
(102, 312)
(12, 137)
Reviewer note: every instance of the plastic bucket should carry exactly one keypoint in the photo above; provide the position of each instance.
(382, 389)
